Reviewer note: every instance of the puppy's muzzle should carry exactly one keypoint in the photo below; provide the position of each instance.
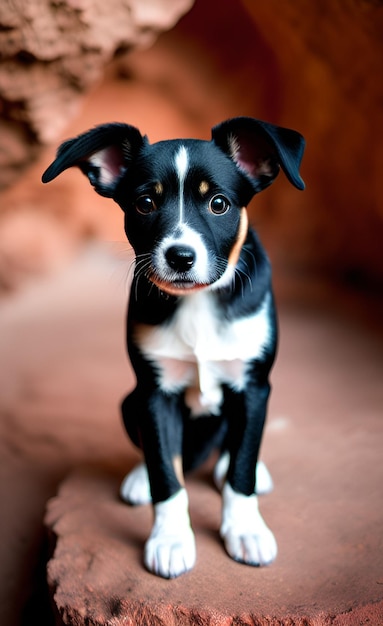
(177, 269)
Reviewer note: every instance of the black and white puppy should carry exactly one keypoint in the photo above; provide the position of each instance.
(201, 322)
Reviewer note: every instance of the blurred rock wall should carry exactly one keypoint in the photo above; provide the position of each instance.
(52, 51)
(329, 59)
(315, 67)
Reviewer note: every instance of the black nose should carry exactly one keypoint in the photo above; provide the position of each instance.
(180, 258)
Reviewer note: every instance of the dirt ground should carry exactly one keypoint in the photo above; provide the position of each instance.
(63, 372)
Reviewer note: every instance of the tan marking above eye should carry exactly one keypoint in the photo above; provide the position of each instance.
(203, 187)
(158, 188)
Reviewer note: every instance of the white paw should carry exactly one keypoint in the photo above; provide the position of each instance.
(264, 481)
(246, 537)
(170, 550)
(135, 488)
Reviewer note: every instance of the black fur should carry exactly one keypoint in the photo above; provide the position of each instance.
(243, 157)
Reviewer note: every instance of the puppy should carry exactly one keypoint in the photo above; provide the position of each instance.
(201, 326)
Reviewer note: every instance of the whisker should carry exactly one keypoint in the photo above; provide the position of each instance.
(142, 265)
(237, 274)
(253, 259)
(123, 259)
(246, 275)
(221, 266)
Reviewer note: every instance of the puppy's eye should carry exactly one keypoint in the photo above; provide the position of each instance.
(145, 205)
(219, 205)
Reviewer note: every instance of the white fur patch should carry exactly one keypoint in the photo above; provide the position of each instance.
(170, 550)
(183, 235)
(199, 352)
(135, 488)
(246, 537)
(181, 163)
(264, 482)
(225, 280)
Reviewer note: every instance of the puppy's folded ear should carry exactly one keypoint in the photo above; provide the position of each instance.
(103, 154)
(259, 149)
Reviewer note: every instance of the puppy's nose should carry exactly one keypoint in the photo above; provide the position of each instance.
(180, 258)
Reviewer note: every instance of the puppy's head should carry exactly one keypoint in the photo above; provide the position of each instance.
(184, 200)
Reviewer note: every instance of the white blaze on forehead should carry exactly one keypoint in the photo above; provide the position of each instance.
(182, 164)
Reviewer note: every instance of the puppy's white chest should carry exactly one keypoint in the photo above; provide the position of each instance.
(198, 352)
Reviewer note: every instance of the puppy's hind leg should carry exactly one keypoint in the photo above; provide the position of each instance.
(135, 488)
(264, 482)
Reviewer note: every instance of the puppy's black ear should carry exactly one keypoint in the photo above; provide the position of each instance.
(103, 154)
(259, 149)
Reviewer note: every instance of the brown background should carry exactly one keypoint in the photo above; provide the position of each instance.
(64, 276)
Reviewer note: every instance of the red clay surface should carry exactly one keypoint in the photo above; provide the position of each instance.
(63, 371)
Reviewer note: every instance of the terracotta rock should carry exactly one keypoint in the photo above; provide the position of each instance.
(63, 371)
(63, 367)
(97, 577)
(53, 52)
(322, 445)
(328, 87)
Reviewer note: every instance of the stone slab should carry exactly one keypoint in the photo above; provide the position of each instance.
(323, 447)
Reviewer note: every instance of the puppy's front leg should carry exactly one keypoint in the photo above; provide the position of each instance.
(246, 537)
(154, 420)
(170, 549)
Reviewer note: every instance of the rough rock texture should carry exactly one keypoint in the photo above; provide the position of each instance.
(62, 363)
(63, 371)
(316, 67)
(52, 52)
(326, 573)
